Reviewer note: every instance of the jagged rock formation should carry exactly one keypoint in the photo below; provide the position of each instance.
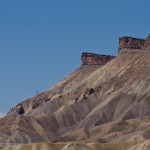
(129, 44)
(108, 105)
(95, 59)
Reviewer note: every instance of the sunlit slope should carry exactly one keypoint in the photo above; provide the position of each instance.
(109, 104)
(82, 146)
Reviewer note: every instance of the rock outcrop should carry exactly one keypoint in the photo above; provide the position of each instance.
(147, 41)
(95, 59)
(130, 44)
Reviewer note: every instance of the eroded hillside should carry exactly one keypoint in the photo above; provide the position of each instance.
(99, 103)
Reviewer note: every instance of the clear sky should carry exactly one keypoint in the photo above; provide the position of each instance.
(41, 40)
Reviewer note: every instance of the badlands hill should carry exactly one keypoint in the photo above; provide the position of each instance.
(104, 104)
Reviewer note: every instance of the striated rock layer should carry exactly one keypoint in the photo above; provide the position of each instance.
(107, 105)
(95, 59)
(130, 44)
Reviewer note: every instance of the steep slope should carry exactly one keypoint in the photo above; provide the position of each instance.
(118, 96)
(62, 88)
(14, 127)
(116, 92)
(98, 104)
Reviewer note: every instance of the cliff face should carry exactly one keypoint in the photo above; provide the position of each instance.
(126, 45)
(95, 59)
(130, 44)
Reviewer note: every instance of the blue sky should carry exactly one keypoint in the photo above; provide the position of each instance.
(41, 40)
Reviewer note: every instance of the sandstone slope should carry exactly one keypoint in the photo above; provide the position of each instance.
(82, 146)
(104, 103)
